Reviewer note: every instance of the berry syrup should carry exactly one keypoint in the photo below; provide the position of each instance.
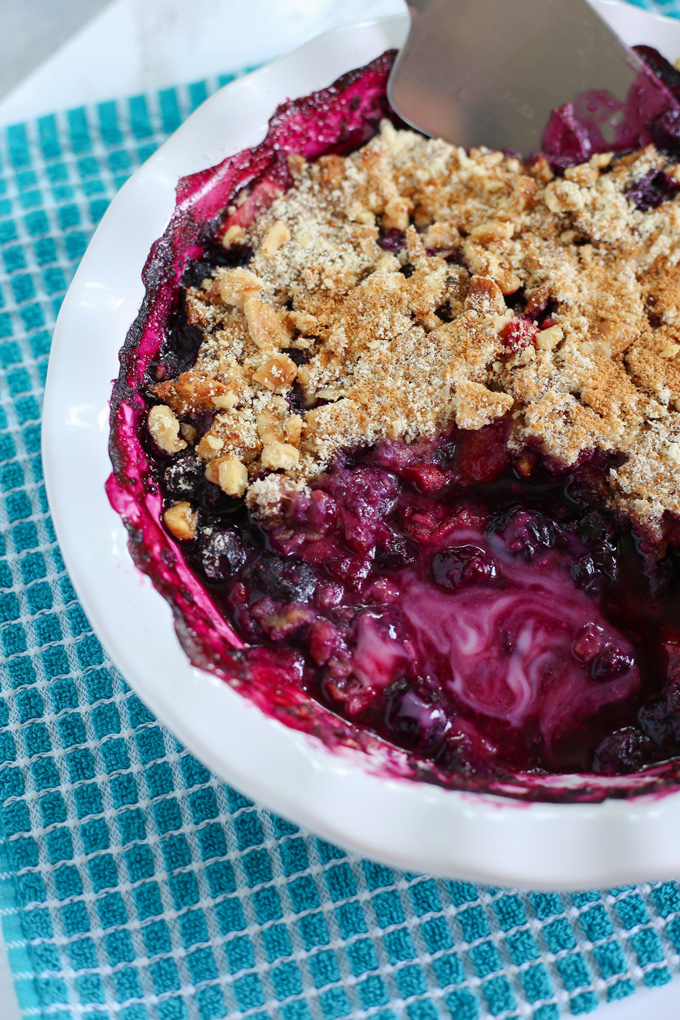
(462, 617)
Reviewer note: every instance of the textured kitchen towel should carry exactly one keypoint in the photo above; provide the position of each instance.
(133, 883)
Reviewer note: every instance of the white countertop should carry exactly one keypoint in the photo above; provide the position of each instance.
(130, 46)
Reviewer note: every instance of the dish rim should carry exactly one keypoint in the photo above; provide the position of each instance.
(409, 825)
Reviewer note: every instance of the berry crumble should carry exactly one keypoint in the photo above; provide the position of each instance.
(398, 434)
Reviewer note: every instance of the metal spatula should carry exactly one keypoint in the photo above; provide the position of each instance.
(489, 72)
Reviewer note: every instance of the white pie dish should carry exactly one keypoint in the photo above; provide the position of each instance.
(410, 825)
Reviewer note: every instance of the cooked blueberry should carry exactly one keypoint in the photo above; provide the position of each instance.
(566, 141)
(392, 240)
(593, 528)
(610, 663)
(184, 476)
(584, 571)
(663, 580)
(621, 753)
(297, 356)
(664, 128)
(396, 554)
(464, 564)
(221, 554)
(288, 579)
(524, 531)
(414, 716)
(215, 500)
(203, 420)
(657, 721)
(215, 255)
(182, 347)
(653, 189)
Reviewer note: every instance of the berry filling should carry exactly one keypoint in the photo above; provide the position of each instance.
(469, 614)
(490, 622)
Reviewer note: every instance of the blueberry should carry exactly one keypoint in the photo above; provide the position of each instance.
(660, 719)
(392, 241)
(396, 553)
(524, 531)
(220, 554)
(600, 563)
(621, 753)
(215, 255)
(215, 500)
(584, 571)
(414, 716)
(663, 580)
(656, 722)
(652, 190)
(593, 529)
(182, 348)
(610, 663)
(183, 477)
(464, 564)
(288, 579)
(298, 357)
(565, 141)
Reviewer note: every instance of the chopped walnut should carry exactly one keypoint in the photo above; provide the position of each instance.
(442, 235)
(277, 456)
(229, 473)
(180, 520)
(548, 339)
(237, 285)
(276, 374)
(225, 401)
(485, 295)
(164, 429)
(189, 433)
(396, 215)
(268, 327)
(494, 230)
(276, 237)
(564, 196)
(292, 429)
(584, 175)
(231, 234)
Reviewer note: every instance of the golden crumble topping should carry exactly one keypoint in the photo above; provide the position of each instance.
(327, 341)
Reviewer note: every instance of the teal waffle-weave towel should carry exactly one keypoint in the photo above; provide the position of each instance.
(133, 884)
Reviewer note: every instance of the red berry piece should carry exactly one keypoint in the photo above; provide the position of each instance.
(483, 455)
(425, 477)
(518, 335)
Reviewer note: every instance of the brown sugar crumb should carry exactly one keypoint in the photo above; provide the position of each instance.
(503, 291)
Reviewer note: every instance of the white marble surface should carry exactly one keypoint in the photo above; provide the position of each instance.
(31, 30)
(133, 45)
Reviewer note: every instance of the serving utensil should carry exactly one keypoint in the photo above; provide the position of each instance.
(490, 72)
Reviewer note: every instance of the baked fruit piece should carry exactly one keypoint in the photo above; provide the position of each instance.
(415, 426)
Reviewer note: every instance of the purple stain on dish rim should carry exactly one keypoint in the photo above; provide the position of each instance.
(389, 548)
(597, 122)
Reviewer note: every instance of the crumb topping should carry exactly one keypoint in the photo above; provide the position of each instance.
(411, 286)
